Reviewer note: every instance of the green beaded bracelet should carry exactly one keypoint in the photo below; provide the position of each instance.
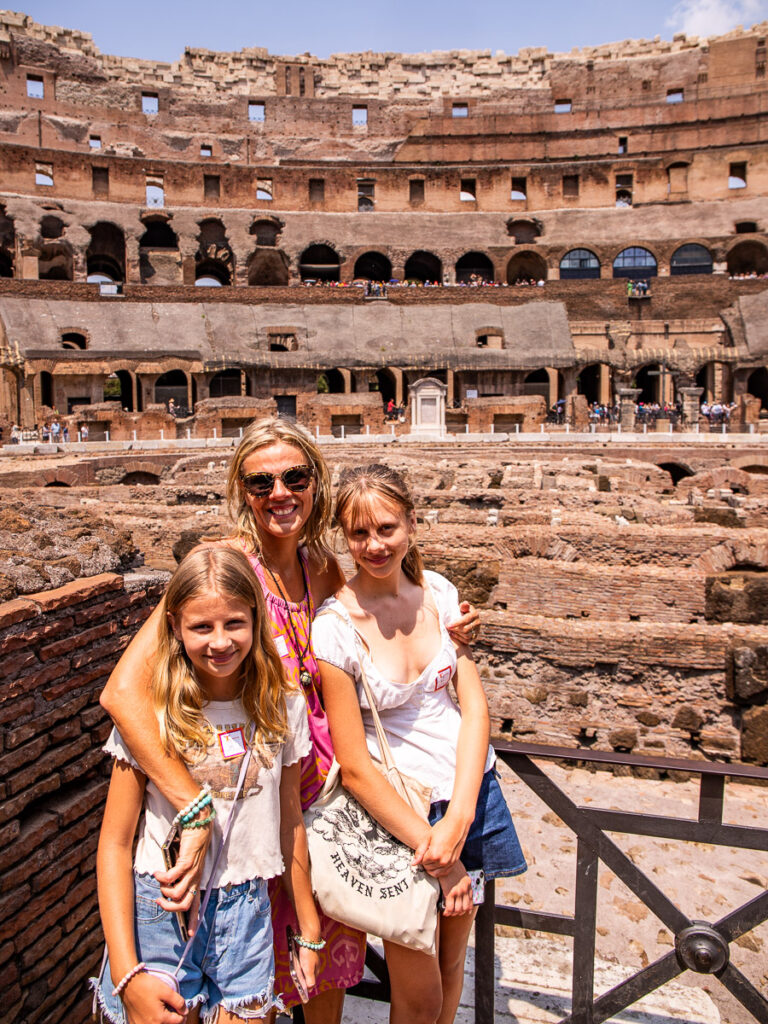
(308, 943)
(202, 823)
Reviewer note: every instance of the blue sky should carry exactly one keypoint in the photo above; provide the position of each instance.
(160, 30)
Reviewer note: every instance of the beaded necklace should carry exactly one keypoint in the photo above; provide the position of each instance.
(305, 676)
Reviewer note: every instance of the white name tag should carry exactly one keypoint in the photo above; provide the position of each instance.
(232, 744)
(282, 646)
(442, 677)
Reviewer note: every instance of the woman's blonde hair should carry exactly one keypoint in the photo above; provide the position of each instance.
(262, 434)
(358, 489)
(178, 696)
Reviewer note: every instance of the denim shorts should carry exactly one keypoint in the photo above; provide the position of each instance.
(231, 962)
(492, 842)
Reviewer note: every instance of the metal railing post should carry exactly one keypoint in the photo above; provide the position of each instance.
(585, 914)
(485, 957)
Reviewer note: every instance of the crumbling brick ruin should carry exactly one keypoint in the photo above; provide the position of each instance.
(127, 183)
(622, 585)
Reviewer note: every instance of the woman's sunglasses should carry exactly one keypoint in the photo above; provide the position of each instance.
(296, 479)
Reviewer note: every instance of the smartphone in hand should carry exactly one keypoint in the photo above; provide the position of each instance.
(297, 972)
(170, 849)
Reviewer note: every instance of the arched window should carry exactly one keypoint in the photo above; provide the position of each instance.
(373, 266)
(748, 258)
(266, 232)
(73, 339)
(691, 259)
(159, 235)
(526, 268)
(105, 256)
(634, 262)
(474, 268)
(423, 267)
(757, 386)
(579, 263)
(173, 385)
(319, 263)
(51, 227)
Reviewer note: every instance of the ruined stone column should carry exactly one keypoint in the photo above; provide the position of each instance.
(605, 384)
(691, 404)
(627, 406)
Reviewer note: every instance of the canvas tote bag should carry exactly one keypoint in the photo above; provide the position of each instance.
(361, 875)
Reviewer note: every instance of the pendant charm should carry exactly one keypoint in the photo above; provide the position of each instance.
(304, 677)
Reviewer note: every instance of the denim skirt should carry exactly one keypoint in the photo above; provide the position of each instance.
(492, 842)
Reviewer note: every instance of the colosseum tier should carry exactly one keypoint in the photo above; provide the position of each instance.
(506, 202)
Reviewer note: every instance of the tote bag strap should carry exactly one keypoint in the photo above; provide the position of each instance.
(222, 843)
(384, 748)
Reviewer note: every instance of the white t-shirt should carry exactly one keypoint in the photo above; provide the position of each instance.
(253, 847)
(420, 718)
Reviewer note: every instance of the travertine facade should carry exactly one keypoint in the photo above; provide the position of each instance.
(636, 160)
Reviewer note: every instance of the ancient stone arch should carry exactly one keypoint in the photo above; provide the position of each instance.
(732, 553)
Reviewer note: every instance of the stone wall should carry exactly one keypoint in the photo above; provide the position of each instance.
(57, 648)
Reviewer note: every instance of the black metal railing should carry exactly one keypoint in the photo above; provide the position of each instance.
(700, 947)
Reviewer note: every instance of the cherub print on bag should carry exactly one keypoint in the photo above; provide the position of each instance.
(362, 846)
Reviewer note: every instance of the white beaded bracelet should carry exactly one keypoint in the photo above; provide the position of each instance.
(117, 990)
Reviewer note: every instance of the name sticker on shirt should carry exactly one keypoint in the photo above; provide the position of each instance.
(232, 743)
(442, 677)
(281, 645)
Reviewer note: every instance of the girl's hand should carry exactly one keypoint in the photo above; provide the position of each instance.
(181, 885)
(457, 891)
(466, 629)
(149, 1000)
(441, 849)
(310, 963)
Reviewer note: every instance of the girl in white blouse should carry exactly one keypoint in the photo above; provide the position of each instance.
(390, 618)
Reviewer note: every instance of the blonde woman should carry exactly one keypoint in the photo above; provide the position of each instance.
(279, 495)
(218, 688)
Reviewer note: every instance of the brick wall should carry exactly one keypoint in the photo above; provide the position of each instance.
(57, 650)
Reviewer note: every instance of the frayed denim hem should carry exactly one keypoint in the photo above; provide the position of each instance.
(107, 1014)
(98, 999)
(241, 1008)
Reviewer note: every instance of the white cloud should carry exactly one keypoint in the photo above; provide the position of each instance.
(714, 17)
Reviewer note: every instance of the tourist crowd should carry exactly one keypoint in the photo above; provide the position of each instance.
(637, 289)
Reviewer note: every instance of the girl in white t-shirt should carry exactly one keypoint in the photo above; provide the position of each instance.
(218, 688)
(389, 619)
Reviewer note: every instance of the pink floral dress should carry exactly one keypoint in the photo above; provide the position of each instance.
(343, 959)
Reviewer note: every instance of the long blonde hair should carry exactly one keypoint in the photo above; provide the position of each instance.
(359, 487)
(177, 694)
(262, 434)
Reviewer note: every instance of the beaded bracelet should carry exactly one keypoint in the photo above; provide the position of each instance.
(195, 810)
(308, 943)
(118, 989)
(200, 823)
(192, 807)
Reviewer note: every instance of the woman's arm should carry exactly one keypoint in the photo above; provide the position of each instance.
(360, 777)
(448, 835)
(127, 698)
(146, 999)
(293, 843)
